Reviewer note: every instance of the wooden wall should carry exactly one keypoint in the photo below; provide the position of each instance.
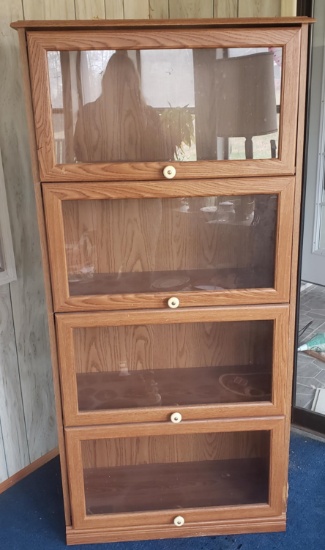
(27, 425)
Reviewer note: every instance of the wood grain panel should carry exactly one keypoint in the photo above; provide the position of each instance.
(75, 436)
(259, 8)
(124, 236)
(39, 43)
(114, 9)
(136, 9)
(296, 243)
(158, 9)
(225, 8)
(221, 23)
(12, 415)
(217, 527)
(142, 255)
(93, 329)
(168, 346)
(49, 9)
(111, 453)
(183, 9)
(90, 10)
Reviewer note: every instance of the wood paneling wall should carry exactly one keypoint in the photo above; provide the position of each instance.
(27, 425)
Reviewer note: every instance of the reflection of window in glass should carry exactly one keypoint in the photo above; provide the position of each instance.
(262, 76)
(167, 81)
(7, 260)
(158, 105)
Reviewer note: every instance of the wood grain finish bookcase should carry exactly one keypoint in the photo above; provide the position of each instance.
(167, 161)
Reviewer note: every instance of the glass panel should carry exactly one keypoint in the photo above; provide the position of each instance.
(173, 364)
(172, 244)
(165, 105)
(175, 471)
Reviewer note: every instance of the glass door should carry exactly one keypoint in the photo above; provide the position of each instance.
(175, 475)
(122, 105)
(123, 246)
(186, 364)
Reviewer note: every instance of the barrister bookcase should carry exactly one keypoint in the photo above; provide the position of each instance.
(167, 161)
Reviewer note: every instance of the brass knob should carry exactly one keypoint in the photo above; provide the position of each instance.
(169, 172)
(179, 521)
(173, 302)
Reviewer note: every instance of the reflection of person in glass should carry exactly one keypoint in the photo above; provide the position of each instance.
(119, 125)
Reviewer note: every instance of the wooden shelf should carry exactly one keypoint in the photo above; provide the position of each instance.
(147, 487)
(172, 387)
(167, 281)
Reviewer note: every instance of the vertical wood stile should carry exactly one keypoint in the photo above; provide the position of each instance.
(90, 10)
(190, 9)
(225, 8)
(158, 9)
(136, 9)
(259, 8)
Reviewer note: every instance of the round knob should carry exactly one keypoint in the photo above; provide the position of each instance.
(179, 521)
(176, 418)
(173, 302)
(169, 172)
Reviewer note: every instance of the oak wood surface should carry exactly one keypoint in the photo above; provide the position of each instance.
(124, 236)
(231, 482)
(40, 42)
(219, 22)
(222, 429)
(296, 244)
(124, 526)
(221, 527)
(83, 344)
(185, 386)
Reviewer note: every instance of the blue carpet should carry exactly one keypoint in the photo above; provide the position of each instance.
(31, 516)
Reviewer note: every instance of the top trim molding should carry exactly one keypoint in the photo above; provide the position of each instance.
(161, 23)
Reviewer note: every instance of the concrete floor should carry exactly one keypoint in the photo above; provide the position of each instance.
(310, 371)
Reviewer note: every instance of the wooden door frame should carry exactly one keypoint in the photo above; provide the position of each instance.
(203, 516)
(54, 194)
(40, 42)
(67, 323)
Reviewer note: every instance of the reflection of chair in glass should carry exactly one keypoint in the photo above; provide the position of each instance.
(119, 125)
(245, 92)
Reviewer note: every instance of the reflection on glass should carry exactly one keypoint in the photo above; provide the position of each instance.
(138, 474)
(155, 245)
(174, 364)
(165, 105)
